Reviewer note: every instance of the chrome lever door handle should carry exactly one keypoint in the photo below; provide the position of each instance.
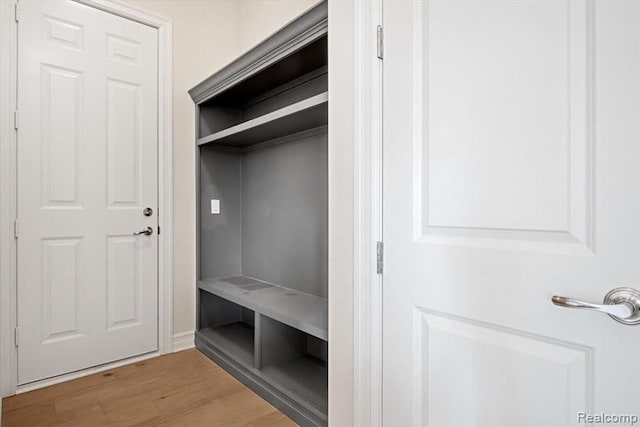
(623, 310)
(147, 232)
(621, 304)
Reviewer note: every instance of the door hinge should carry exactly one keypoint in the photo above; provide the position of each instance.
(379, 257)
(379, 44)
(17, 12)
(15, 120)
(158, 229)
(16, 336)
(15, 228)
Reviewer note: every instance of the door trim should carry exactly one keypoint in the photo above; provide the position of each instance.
(367, 216)
(8, 207)
(9, 190)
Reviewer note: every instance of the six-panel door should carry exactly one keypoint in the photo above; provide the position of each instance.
(87, 168)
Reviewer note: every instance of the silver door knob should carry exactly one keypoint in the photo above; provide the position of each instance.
(621, 304)
(147, 232)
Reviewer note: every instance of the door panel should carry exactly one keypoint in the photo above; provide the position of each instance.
(62, 273)
(481, 374)
(472, 134)
(61, 126)
(466, 58)
(87, 167)
(511, 174)
(123, 144)
(123, 282)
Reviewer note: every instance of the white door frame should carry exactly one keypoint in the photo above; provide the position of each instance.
(354, 214)
(367, 215)
(9, 190)
(366, 143)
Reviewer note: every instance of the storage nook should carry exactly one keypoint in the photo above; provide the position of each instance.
(261, 136)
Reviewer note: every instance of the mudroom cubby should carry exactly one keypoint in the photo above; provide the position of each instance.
(228, 325)
(262, 177)
(295, 360)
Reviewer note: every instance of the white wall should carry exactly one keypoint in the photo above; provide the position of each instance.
(206, 36)
(260, 18)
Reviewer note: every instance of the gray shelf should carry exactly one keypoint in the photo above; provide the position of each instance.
(237, 340)
(305, 376)
(305, 312)
(306, 114)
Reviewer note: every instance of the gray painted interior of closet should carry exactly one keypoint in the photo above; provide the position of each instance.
(273, 220)
(220, 235)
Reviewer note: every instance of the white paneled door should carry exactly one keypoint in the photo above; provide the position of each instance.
(87, 168)
(511, 174)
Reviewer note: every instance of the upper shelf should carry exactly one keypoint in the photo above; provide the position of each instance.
(306, 114)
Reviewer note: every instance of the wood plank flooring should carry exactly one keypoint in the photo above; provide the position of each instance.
(179, 389)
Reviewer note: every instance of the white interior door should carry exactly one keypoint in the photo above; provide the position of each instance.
(87, 167)
(511, 174)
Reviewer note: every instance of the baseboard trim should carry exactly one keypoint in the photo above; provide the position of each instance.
(183, 341)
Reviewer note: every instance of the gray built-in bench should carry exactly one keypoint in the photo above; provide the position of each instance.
(272, 332)
(300, 310)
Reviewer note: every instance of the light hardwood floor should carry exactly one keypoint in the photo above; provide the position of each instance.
(179, 389)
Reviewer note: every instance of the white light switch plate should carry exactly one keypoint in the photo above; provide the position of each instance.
(215, 207)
